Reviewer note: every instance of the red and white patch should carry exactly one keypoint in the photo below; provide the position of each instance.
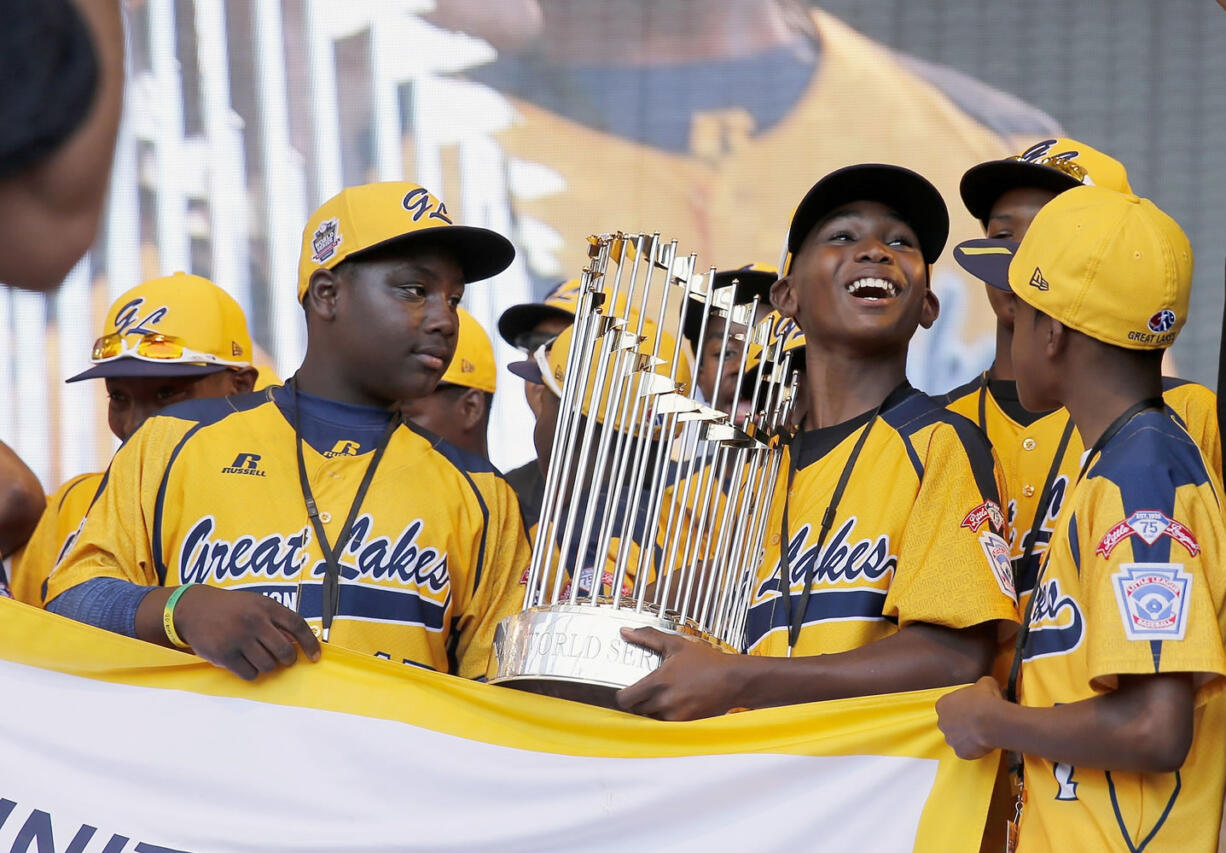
(987, 511)
(1148, 525)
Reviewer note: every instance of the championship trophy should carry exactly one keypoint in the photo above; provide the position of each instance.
(656, 503)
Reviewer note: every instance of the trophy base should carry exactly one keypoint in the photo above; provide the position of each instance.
(577, 652)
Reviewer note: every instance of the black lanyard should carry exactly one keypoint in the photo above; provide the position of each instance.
(796, 621)
(1023, 632)
(332, 554)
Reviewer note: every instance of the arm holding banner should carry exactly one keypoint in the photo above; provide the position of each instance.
(244, 632)
(1144, 726)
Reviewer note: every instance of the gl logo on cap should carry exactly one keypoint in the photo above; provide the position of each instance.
(1163, 321)
(420, 203)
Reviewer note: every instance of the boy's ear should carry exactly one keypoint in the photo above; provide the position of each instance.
(471, 408)
(321, 293)
(1057, 338)
(931, 308)
(783, 297)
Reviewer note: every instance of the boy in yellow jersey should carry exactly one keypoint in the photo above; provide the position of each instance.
(237, 527)
(1039, 451)
(1122, 647)
(170, 339)
(887, 528)
(458, 409)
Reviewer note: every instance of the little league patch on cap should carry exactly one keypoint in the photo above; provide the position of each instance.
(1052, 164)
(473, 363)
(177, 325)
(987, 260)
(371, 216)
(909, 194)
(1110, 265)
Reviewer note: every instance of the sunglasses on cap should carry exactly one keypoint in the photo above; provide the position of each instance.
(530, 342)
(1059, 162)
(152, 347)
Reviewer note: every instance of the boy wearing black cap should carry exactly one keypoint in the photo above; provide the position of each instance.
(885, 566)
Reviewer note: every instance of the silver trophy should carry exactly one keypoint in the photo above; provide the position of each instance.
(656, 502)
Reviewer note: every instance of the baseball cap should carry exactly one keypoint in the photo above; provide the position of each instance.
(370, 216)
(559, 303)
(780, 327)
(752, 280)
(473, 363)
(176, 325)
(909, 194)
(548, 364)
(1055, 164)
(1110, 265)
(987, 260)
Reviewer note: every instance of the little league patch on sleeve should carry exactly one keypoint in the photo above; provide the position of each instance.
(1148, 525)
(987, 511)
(1153, 600)
(997, 552)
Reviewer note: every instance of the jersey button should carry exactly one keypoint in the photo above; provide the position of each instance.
(325, 517)
(1028, 490)
(1028, 444)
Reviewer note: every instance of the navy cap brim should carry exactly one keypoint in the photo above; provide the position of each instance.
(984, 184)
(527, 370)
(987, 260)
(751, 283)
(908, 193)
(137, 368)
(522, 318)
(480, 252)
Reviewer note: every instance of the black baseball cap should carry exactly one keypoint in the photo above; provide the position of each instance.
(752, 280)
(908, 193)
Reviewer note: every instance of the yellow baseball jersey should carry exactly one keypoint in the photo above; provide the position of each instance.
(56, 531)
(1132, 584)
(917, 536)
(1026, 444)
(208, 492)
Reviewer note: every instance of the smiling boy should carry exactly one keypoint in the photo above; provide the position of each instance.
(239, 527)
(885, 567)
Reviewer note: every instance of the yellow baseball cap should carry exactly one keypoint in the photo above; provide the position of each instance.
(473, 363)
(371, 216)
(177, 325)
(1055, 164)
(1110, 265)
(560, 303)
(548, 365)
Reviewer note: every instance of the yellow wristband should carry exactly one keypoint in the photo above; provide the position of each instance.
(168, 618)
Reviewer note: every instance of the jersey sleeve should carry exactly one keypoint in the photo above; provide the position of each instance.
(498, 592)
(953, 561)
(1196, 406)
(1154, 584)
(56, 531)
(115, 541)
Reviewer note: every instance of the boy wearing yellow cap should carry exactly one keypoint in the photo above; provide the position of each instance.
(242, 528)
(170, 339)
(458, 410)
(1122, 644)
(885, 568)
(1039, 452)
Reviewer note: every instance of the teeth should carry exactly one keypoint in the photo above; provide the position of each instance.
(874, 284)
